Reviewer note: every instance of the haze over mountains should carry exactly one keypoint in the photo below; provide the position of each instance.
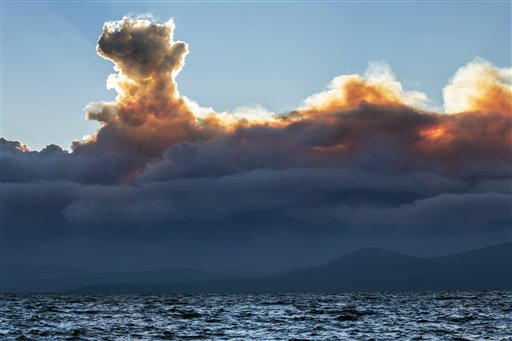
(369, 269)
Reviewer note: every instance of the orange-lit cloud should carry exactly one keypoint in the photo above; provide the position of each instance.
(434, 133)
(378, 87)
(478, 123)
(479, 86)
(149, 115)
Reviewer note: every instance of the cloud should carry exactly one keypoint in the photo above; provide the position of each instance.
(378, 86)
(148, 113)
(446, 213)
(362, 161)
(479, 86)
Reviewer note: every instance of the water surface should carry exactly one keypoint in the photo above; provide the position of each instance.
(305, 316)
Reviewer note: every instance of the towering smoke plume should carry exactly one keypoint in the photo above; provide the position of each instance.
(148, 114)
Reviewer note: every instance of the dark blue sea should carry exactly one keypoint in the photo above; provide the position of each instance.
(294, 316)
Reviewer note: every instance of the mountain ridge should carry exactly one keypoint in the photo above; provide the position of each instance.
(366, 269)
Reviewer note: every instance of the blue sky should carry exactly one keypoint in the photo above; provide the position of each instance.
(273, 54)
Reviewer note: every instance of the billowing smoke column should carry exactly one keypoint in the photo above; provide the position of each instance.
(365, 156)
(148, 114)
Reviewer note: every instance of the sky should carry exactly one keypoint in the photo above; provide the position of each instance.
(268, 54)
(255, 136)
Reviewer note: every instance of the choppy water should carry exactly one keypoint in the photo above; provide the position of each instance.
(346, 316)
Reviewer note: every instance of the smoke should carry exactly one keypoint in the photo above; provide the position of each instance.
(359, 118)
(378, 86)
(479, 86)
(362, 157)
(148, 114)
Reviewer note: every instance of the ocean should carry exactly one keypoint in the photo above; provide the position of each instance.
(463, 315)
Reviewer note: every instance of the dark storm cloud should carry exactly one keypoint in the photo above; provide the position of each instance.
(444, 214)
(359, 162)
